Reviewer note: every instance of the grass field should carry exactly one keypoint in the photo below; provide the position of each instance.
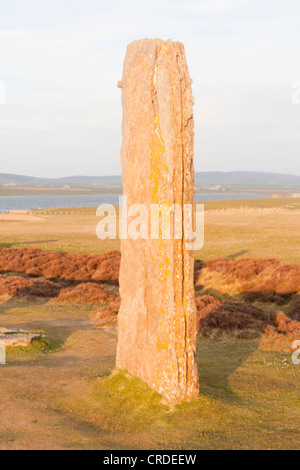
(66, 393)
(259, 228)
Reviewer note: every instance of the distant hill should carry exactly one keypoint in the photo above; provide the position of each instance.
(74, 181)
(203, 180)
(242, 178)
(17, 179)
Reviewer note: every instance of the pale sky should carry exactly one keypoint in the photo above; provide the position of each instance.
(61, 60)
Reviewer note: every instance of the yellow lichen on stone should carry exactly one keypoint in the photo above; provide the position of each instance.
(157, 148)
(162, 345)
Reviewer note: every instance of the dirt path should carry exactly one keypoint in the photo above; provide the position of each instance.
(32, 388)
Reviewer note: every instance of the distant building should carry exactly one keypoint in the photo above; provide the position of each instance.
(276, 196)
(296, 195)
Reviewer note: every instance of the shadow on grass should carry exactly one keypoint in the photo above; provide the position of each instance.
(235, 329)
(236, 255)
(218, 359)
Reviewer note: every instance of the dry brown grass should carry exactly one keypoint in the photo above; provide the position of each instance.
(266, 277)
(264, 228)
(70, 267)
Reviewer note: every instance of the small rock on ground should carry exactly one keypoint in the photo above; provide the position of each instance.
(17, 338)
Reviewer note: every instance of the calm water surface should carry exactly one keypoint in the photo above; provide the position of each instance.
(10, 203)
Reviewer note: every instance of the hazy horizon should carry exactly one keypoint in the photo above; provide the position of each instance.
(119, 174)
(60, 64)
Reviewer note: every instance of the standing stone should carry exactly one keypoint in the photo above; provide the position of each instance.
(157, 318)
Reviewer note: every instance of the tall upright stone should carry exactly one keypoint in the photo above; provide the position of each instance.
(157, 318)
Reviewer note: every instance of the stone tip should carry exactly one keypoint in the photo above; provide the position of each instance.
(120, 84)
(156, 41)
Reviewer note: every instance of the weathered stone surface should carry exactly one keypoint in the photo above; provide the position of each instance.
(18, 337)
(157, 318)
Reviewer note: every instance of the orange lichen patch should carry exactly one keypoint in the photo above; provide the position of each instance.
(162, 344)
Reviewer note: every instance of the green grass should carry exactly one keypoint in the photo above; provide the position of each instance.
(35, 350)
(249, 399)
